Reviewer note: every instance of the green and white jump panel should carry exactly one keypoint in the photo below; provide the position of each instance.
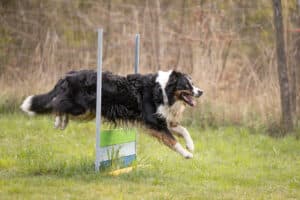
(117, 145)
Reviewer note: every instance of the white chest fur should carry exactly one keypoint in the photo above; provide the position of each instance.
(173, 113)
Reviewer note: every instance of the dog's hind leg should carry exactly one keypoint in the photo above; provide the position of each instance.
(58, 120)
(64, 121)
(181, 131)
(168, 139)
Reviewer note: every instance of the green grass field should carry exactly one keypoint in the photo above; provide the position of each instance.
(39, 162)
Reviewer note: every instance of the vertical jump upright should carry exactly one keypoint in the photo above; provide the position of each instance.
(108, 141)
(99, 95)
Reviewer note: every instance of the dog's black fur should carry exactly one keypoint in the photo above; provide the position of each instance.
(134, 97)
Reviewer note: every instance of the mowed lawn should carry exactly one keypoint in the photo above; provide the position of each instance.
(39, 162)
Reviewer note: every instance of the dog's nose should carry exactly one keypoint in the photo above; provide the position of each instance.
(198, 93)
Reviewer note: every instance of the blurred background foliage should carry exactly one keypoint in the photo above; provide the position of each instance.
(227, 46)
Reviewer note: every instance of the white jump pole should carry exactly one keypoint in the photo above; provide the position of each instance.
(137, 53)
(136, 67)
(99, 95)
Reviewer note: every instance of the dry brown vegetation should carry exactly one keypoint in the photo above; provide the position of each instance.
(227, 47)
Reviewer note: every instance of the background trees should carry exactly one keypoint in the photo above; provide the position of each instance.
(282, 70)
(227, 46)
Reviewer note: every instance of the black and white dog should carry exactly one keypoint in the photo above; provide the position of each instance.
(156, 100)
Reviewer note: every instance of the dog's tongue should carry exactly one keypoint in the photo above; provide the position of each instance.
(193, 102)
(189, 100)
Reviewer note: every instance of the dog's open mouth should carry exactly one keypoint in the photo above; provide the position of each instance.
(188, 98)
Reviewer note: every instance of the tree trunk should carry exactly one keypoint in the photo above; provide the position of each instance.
(290, 63)
(287, 121)
(296, 62)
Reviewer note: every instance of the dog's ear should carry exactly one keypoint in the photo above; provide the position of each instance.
(173, 78)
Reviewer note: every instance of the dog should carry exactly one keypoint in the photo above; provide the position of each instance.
(156, 100)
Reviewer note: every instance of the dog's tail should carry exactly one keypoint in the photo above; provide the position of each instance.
(38, 104)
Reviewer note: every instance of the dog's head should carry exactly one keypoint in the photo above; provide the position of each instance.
(180, 87)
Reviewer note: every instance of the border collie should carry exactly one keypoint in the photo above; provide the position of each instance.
(156, 100)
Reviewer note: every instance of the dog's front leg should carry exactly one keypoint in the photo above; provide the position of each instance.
(168, 139)
(181, 131)
(159, 128)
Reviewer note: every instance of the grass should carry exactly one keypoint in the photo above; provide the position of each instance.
(39, 162)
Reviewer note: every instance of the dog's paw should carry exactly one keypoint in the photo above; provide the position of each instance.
(188, 155)
(64, 120)
(57, 122)
(182, 151)
(56, 125)
(63, 126)
(190, 146)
